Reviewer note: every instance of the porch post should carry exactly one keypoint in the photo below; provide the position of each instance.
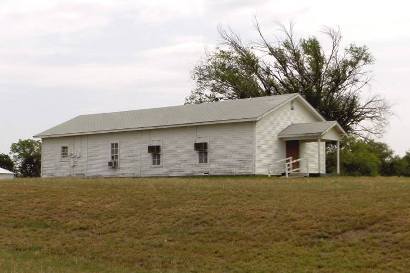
(338, 157)
(318, 155)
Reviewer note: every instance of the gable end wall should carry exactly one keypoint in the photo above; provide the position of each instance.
(270, 149)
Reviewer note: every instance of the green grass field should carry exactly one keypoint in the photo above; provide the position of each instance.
(235, 224)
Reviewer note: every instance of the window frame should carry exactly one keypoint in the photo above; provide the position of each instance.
(66, 157)
(116, 155)
(203, 157)
(202, 153)
(156, 157)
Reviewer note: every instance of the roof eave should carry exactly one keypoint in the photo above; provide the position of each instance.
(311, 108)
(300, 136)
(295, 95)
(332, 126)
(312, 135)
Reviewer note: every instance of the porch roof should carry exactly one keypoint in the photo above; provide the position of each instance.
(330, 130)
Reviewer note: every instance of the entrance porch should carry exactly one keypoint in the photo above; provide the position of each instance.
(305, 147)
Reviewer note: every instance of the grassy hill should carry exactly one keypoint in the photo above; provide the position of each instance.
(205, 225)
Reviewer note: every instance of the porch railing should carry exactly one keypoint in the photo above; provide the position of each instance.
(292, 166)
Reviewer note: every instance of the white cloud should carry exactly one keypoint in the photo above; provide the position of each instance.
(57, 18)
(86, 76)
(156, 66)
(161, 11)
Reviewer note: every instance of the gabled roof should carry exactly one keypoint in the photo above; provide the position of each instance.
(309, 130)
(174, 116)
(3, 171)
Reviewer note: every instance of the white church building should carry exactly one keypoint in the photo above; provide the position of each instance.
(272, 135)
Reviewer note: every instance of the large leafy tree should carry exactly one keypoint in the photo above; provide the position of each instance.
(360, 158)
(27, 156)
(366, 157)
(6, 162)
(333, 80)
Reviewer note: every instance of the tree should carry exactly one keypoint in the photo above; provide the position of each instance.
(359, 158)
(397, 167)
(31, 166)
(368, 157)
(333, 81)
(27, 156)
(402, 166)
(383, 152)
(6, 162)
(406, 159)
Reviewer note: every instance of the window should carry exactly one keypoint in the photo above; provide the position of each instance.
(156, 159)
(114, 158)
(64, 151)
(155, 151)
(114, 152)
(292, 106)
(203, 156)
(202, 149)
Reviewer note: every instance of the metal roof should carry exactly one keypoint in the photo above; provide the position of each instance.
(173, 116)
(306, 130)
(3, 171)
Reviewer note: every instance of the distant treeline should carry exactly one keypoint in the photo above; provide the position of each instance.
(368, 157)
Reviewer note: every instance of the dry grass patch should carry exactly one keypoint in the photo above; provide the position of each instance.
(205, 225)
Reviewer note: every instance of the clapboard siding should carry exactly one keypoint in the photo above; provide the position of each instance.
(270, 149)
(231, 151)
(309, 150)
(332, 134)
(51, 162)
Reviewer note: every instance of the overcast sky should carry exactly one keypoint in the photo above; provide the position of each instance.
(62, 58)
